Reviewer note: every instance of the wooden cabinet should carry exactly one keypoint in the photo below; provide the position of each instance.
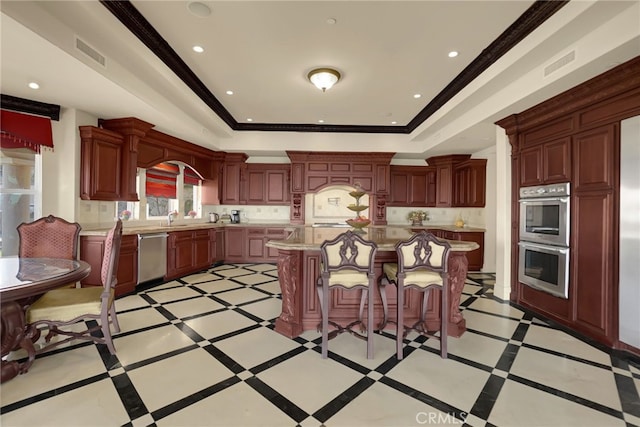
(470, 183)
(248, 244)
(92, 251)
(234, 244)
(100, 164)
(546, 163)
(216, 245)
(412, 186)
(187, 252)
(267, 184)
(475, 257)
(459, 180)
(231, 183)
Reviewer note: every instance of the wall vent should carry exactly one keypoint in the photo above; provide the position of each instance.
(555, 66)
(91, 52)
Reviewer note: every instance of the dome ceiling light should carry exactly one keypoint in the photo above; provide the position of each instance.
(324, 78)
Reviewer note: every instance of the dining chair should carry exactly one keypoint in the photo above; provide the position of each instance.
(422, 265)
(59, 308)
(347, 263)
(49, 237)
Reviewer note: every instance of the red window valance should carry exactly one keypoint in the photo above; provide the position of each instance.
(21, 130)
(161, 180)
(191, 177)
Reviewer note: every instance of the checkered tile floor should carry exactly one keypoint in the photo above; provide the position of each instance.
(201, 351)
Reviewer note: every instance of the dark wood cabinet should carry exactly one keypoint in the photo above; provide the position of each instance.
(216, 245)
(231, 183)
(412, 186)
(475, 257)
(202, 249)
(547, 163)
(92, 251)
(180, 253)
(234, 244)
(470, 183)
(100, 164)
(255, 244)
(267, 184)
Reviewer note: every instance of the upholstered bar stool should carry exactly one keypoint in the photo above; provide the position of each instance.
(347, 263)
(422, 265)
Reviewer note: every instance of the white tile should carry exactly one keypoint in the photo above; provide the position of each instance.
(272, 287)
(217, 324)
(138, 319)
(490, 324)
(562, 342)
(492, 306)
(254, 279)
(239, 296)
(445, 379)
(217, 286)
(474, 347)
(169, 380)
(129, 302)
(192, 307)
(96, 404)
(238, 405)
(521, 406)
(268, 309)
(320, 379)
(143, 345)
(199, 277)
(168, 295)
(254, 347)
(579, 379)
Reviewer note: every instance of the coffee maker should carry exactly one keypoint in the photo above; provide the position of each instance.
(235, 217)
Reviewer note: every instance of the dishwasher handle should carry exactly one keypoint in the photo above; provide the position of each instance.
(152, 236)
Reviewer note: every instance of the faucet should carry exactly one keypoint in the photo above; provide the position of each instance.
(169, 219)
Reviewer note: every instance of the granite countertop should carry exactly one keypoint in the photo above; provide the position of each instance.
(386, 237)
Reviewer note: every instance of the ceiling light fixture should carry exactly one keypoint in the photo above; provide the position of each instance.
(198, 49)
(34, 85)
(323, 78)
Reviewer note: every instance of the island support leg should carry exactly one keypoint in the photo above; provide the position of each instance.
(458, 265)
(289, 323)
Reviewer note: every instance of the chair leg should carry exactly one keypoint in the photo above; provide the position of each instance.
(400, 319)
(444, 318)
(114, 318)
(363, 299)
(325, 319)
(106, 332)
(371, 294)
(385, 305)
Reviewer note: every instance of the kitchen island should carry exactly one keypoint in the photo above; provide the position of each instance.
(298, 269)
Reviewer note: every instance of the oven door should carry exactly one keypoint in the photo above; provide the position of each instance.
(545, 268)
(545, 220)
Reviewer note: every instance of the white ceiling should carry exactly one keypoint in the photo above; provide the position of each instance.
(262, 50)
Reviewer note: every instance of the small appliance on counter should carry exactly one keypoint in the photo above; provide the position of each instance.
(235, 217)
(213, 217)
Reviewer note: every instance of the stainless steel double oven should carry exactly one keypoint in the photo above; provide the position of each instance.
(544, 238)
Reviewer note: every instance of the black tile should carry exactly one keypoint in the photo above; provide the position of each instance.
(281, 402)
(488, 396)
(129, 396)
(347, 396)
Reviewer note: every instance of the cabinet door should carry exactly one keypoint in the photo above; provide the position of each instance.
(531, 166)
(127, 265)
(101, 164)
(231, 184)
(234, 244)
(594, 154)
(444, 181)
(202, 249)
(557, 161)
(431, 187)
(475, 257)
(255, 187)
(277, 187)
(418, 195)
(220, 239)
(180, 253)
(255, 244)
(399, 189)
(273, 234)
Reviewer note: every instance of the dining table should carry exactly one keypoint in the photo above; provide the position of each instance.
(22, 280)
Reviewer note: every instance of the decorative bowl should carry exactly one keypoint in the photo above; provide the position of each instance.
(358, 224)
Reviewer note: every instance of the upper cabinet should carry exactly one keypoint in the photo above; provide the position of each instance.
(546, 163)
(101, 164)
(111, 154)
(267, 184)
(413, 186)
(460, 180)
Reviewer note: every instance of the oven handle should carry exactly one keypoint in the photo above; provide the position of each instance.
(546, 199)
(544, 248)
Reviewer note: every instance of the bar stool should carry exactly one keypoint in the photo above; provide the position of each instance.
(347, 263)
(422, 265)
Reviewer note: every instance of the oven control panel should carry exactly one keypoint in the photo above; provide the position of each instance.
(552, 190)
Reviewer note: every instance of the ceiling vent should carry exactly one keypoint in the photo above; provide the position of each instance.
(555, 66)
(91, 52)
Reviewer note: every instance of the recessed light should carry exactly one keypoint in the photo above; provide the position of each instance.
(331, 21)
(249, 119)
(199, 9)
(453, 54)
(417, 95)
(34, 85)
(320, 121)
(394, 123)
(198, 49)
(229, 92)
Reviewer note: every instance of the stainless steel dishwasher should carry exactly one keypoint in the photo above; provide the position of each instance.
(152, 256)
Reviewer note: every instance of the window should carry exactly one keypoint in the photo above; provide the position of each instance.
(19, 194)
(164, 188)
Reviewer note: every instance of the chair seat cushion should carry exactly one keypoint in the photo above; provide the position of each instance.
(348, 278)
(420, 278)
(66, 304)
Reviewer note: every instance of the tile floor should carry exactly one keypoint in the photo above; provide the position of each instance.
(201, 351)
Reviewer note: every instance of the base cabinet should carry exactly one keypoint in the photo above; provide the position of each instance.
(248, 244)
(475, 258)
(187, 252)
(92, 251)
